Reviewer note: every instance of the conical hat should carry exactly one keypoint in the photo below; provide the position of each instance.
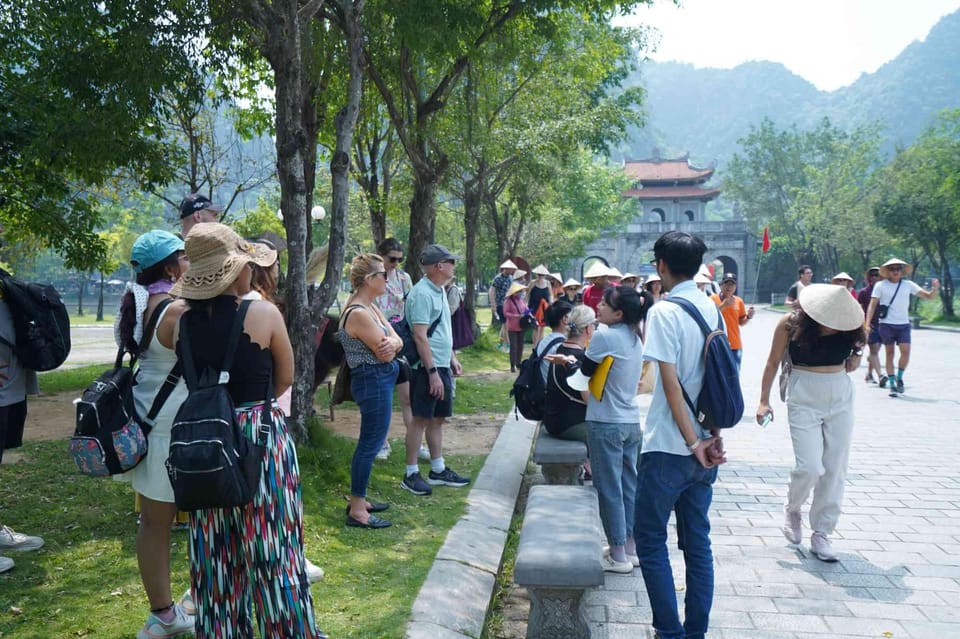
(519, 273)
(557, 277)
(652, 278)
(842, 275)
(700, 278)
(907, 269)
(597, 269)
(541, 270)
(515, 288)
(615, 272)
(509, 264)
(831, 306)
(571, 282)
(630, 276)
(705, 270)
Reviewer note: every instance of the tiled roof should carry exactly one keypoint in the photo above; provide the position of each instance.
(672, 193)
(665, 171)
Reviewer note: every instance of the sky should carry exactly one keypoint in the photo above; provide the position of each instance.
(827, 42)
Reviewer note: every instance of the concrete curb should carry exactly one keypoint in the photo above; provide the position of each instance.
(453, 601)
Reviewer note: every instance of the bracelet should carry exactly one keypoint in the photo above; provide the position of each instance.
(694, 446)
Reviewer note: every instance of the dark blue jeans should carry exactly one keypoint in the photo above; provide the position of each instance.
(372, 389)
(666, 483)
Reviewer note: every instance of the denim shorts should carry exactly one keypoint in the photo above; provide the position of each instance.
(423, 403)
(894, 334)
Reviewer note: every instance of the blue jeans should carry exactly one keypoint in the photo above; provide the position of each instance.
(372, 389)
(667, 483)
(613, 462)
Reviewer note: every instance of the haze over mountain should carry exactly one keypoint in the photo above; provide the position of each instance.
(705, 111)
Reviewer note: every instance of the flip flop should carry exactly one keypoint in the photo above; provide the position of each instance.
(372, 522)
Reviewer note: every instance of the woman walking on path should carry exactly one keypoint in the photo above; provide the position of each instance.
(252, 554)
(158, 259)
(539, 299)
(514, 308)
(873, 335)
(823, 338)
(371, 346)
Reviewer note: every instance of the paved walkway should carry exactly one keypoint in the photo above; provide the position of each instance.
(899, 536)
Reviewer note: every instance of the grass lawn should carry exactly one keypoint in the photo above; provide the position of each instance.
(90, 319)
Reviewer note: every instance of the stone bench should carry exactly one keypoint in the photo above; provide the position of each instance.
(560, 459)
(559, 558)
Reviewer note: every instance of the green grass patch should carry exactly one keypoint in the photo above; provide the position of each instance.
(70, 379)
(931, 314)
(90, 319)
(85, 582)
(483, 395)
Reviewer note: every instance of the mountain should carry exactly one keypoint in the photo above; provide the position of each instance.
(705, 111)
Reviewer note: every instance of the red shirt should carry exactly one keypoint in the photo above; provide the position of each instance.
(592, 295)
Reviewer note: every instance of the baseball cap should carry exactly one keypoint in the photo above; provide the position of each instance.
(152, 248)
(197, 202)
(436, 253)
(729, 277)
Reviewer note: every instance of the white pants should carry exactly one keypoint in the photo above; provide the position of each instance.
(820, 412)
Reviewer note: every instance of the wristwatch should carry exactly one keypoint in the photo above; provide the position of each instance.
(432, 370)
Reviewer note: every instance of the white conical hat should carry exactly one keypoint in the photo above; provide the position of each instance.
(557, 277)
(831, 306)
(519, 273)
(571, 282)
(700, 278)
(842, 275)
(628, 275)
(704, 270)
(652, 278)
(541, 270)
(615, 272)
(907, 269)
(597, 269)
(509, 264)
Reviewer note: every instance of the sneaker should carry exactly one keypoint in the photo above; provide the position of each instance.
(792, 526)
(633, 559)
(900, 386)
(187, 604)
(415, 484)
(869, 379)
(181, 624)
(893, 389)
(883, 381)
(612, 565)
(821, 548)
(384, 452)
(6, 564)
(12, 540)
(447, 477)
(314, 572)
(423, 453)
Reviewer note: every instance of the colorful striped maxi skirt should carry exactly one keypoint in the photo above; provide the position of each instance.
(254, 555)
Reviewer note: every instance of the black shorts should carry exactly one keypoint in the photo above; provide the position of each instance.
(12, 419)
(499, 319)
(425, 405)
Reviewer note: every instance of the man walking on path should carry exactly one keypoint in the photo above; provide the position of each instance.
(890, 303)
(735, 314)
(873, 340)
(431, 389)
(805, 274)
(678, 461)
(498, 293)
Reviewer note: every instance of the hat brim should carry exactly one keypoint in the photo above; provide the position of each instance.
(831, 306)
(885, 269)
(578, 381)
(204, 284)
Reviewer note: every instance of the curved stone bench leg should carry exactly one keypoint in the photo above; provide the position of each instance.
(555, 614)
(562, 474)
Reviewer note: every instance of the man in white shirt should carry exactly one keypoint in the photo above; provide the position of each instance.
(890, 302)
(679, 459)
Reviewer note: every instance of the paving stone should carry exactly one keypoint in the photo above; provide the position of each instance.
(865, 627)
(420, 630)
(778, 621)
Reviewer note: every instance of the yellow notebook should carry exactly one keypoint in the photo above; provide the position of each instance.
(598, 381)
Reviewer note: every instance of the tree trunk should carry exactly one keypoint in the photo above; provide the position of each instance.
(100, 300)
(471, 226)
(82, 284)
(946, 281)
(423, 215)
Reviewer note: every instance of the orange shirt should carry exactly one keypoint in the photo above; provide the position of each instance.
(731, 317)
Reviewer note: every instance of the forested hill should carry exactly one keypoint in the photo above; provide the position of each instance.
(705, 111)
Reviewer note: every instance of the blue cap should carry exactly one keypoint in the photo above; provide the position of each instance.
(152, 248)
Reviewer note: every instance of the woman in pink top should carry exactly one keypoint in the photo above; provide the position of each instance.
(515, 307)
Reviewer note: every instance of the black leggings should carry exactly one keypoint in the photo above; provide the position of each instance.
(516, 348)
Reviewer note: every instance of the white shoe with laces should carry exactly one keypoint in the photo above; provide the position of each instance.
(187, 605)
(612, 565)
(423, 453)
(314, 572)
(821, 548)
(6, 564)
(792, 526)
(12, 540)
(181, 624)
(384, 452)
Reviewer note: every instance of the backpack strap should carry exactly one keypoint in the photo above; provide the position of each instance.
(186, 350)
(173, 377)
(693, 312)
(152, 324)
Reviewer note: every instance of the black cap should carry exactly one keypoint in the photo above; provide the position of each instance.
(436, 253)
(197, 202)
(729, 277)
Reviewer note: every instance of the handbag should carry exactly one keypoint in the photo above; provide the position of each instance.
(462, 328)
(883, 309)
(528, 321)
(341, 385)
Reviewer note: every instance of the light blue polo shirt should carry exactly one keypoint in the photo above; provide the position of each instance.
(619, 403)
(675, 338)
(424, 303)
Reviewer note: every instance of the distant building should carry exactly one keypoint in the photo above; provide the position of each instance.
(670, 190)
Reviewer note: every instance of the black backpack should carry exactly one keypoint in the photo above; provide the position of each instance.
(529, 390)
(720, 403)
(40, 321)
(212, 463)
(110, 438)
(409, 352)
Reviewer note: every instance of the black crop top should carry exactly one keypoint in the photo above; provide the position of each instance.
(252, 365)
(828, 350)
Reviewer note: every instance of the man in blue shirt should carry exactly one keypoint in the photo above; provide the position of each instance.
(679, 459)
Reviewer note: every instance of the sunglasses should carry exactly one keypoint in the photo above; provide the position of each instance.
(395, 260)
(382, 274)
(894, 268)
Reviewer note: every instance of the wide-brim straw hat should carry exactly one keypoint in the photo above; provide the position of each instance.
(217, 255)
(509, 264)
(572, 283)
(870, 270)
(515, 288)
(597, 269)
(831, 306)
(842, 276)
(907, 269)
(652, 278)
(540, 269)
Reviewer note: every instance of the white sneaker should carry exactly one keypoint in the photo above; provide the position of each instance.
(12, 540)
(181, 624)
(314, 572)
(633, 559)
(792, 526)
(612, 565)
(6, 564)
(821, 548)
(187, 604)
(423, 453)
(384, 452)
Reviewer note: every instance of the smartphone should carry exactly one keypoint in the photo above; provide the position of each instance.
(767, 419)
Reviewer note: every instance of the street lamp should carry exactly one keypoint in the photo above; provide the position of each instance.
(317, 213)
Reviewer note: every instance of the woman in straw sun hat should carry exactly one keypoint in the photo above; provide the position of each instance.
(890, 305)
(823, 338)
(515, 307)
(571, 290)
(253, 553)
(539, 299)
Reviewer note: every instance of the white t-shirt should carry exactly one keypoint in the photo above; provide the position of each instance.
(675, 338)
(899, 312)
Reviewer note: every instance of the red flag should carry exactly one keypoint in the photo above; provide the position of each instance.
(766, 239)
